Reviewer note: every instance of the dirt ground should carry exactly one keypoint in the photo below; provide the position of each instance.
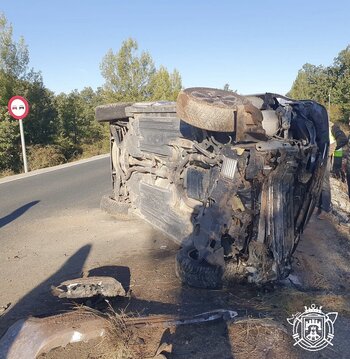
(50, 250)
(321, 275)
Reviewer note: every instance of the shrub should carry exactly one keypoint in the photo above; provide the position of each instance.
(45, 156)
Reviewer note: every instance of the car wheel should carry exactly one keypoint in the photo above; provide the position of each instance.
(213, 109)
(197, 272)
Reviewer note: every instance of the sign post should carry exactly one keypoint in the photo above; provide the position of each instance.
(23, 146)
(18, 108)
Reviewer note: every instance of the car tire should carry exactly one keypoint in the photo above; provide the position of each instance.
(212, 109)
(119, 210)
(197, 273)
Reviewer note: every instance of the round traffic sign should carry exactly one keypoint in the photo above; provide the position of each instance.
(18, 107)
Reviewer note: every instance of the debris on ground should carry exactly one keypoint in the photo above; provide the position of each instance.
(4, 308)
(226, 315)
(89, 287)
(28, 338)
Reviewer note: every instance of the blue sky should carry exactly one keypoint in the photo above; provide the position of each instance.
(255, 46)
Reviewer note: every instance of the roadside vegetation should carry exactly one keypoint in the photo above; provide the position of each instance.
(328, 85)
(62, 127)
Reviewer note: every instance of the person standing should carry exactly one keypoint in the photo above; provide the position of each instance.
(337, 170)
(337, 155)
(347, 164)
(337, 140)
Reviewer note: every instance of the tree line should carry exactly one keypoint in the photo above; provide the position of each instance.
(62, 127)
(328, 85)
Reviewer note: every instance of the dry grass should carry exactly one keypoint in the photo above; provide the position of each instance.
(257, 338)
(53, 155)
(90, 150)
(119, 337)
(288, 301)
(45, 156)
(6, 173)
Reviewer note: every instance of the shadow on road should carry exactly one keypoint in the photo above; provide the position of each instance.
(16, 213)
(46, 304)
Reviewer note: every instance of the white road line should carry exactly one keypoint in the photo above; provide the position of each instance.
(50, 169)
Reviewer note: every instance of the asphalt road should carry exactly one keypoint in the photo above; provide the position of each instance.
(76, 187)
(52, 229)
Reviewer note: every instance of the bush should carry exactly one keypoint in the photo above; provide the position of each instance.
(45, 156)
(98, 148)
(6, 173)
(69, 149)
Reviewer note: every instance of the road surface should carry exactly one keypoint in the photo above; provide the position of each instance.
(77, 187)
(52, 229)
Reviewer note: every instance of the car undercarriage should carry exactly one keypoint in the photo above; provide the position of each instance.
(233, 179)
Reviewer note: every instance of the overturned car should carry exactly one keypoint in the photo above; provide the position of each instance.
(233, 179)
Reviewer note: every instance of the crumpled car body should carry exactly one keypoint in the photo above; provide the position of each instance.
(233, 179)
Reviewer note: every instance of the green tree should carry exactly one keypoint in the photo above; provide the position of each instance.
(176, 84)
(165, 86)
(319, 82)
(40, 125)
(130, 76)
(341, 91)
(68, 118)
(14, 56)
(127, 74)
(14, 61)
(86, 104)
(10, 150)
(76, 120)
(57, 127)
(312, 82)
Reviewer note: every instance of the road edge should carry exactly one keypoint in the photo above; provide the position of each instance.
(51, 169)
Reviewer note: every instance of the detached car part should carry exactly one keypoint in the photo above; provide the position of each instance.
(233, 179)
(28, 338)
(89, 287)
